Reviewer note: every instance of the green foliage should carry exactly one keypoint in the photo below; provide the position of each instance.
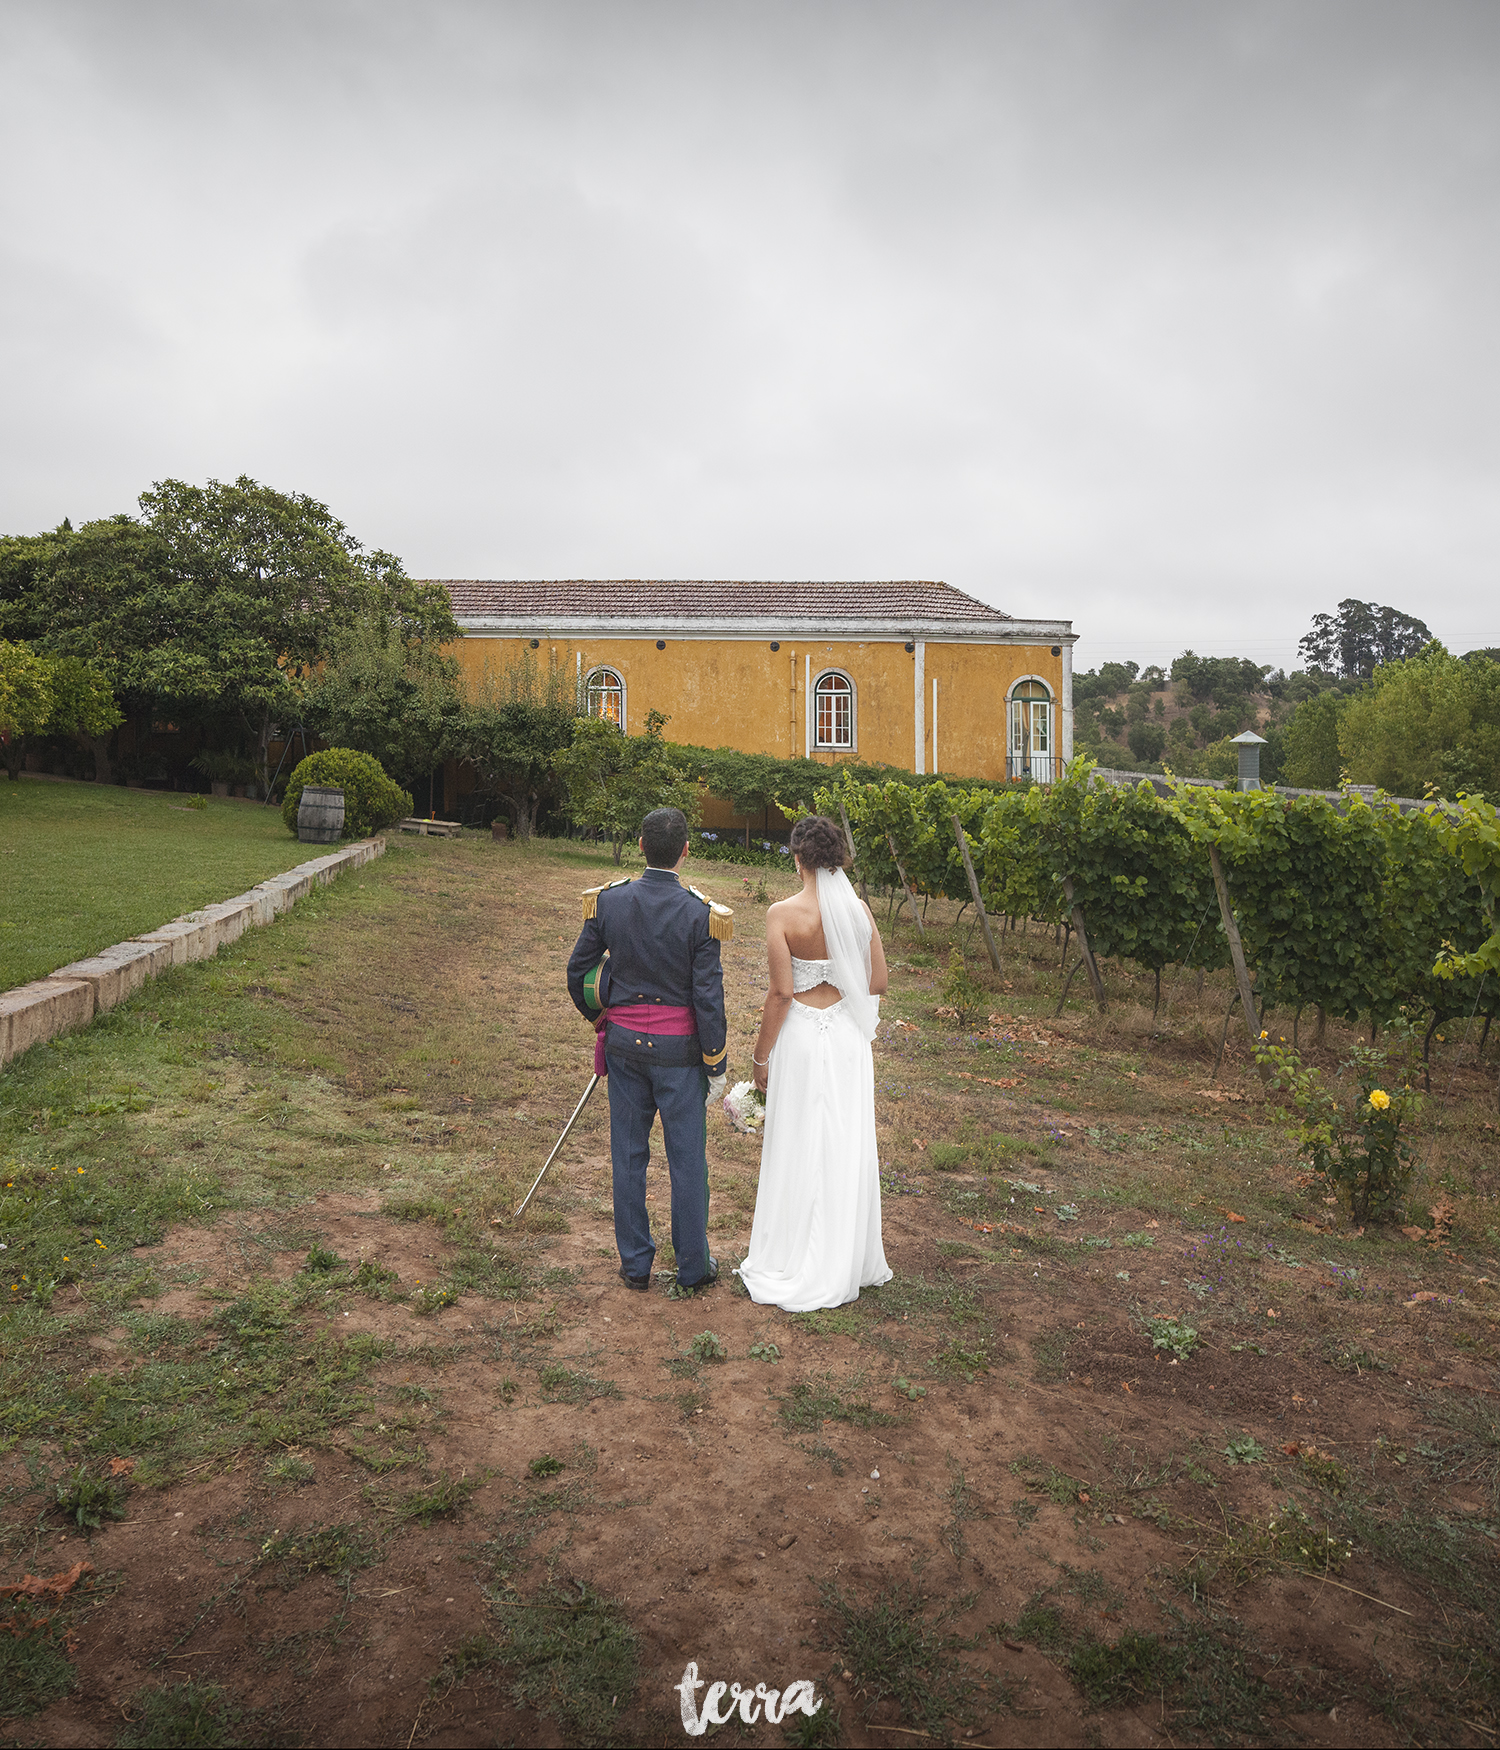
(1474, 837)
(1173, 1335)
(218, 602)
(1355, 1144)
(1306, 884)
(320, 1261)
(34, 1665)
(707, 1347)
(1143, 884)
(1430, 722)
(767, 1352)
(898, 1653)
(574, 1657)
(1313, 760)
(1133, 1668)
(25, 698)
(387, 689)
(963, 993)
(318, 1549)
(371, 800)
(545, 1466)
(1245, 1449)
(1360, 638)
(614, 780)
(513, 725)
(180, 1716)
(1287, 1539)
(807, 1406)
(442, 1498)
(89, 1500)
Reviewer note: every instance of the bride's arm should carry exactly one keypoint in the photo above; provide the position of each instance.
(778, 998)
(880, 977)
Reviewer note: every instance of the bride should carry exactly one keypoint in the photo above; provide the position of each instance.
(815, 1241)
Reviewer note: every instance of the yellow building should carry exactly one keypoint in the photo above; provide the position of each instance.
(907, 674)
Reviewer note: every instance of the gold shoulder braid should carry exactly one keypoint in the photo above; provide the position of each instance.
(720, 917)
(591, 896)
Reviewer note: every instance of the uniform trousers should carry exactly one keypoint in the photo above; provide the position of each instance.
(651, 1073)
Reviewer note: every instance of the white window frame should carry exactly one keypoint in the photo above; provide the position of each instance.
(819, 744)
(590, 686)
(1021, 722)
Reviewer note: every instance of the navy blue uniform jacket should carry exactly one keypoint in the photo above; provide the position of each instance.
(660, 951)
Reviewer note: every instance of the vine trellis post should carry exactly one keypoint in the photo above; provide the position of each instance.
(1237, 955)
(1086, 953)
(911, 897)
(984, 921)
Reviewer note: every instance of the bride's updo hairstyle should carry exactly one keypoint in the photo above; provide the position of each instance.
(818, 844)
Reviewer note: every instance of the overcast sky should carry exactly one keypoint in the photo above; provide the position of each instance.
(1175, 320)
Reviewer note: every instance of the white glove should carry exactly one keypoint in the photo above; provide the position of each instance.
(716, 1087)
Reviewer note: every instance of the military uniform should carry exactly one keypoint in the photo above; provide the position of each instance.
(662, 940)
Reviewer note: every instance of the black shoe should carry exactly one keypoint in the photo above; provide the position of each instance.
(707, 1280)
(639, 1283)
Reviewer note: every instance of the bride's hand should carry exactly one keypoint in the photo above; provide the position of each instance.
(761, 1072)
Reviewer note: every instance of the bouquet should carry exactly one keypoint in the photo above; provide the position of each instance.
(746, 1106)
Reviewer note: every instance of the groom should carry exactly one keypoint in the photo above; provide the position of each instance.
(665, 1040)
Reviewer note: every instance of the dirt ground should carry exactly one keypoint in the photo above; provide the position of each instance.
(937, 1506)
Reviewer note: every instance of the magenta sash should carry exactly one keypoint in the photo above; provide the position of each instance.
(668, 1018)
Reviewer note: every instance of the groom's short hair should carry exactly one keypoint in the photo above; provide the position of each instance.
(664, 834)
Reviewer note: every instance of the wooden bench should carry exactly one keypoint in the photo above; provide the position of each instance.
(441, 829)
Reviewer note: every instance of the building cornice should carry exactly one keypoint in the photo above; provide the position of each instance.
(867, 631)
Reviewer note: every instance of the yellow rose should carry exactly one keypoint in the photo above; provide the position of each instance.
(1379, 1099)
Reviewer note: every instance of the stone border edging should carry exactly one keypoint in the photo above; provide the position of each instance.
(74, 994)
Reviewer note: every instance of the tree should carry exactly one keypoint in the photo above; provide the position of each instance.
(1312, 758)
(65, 697)
(25, 699)
(1105, 681)
(1146, 740)
(275, 578)
(510, 728)
(1433, 719)
(221, 601)
(389, 691)
(1225, 681)
(614, 780)
(1361, 637)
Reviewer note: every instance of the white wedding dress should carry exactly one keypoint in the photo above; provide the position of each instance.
(815, 1241)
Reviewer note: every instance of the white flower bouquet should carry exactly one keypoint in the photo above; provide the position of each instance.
(746, 1106)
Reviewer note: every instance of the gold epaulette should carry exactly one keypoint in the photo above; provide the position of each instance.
(720, 917)
(591, 896)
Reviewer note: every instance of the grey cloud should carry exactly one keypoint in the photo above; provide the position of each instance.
(1174, 319)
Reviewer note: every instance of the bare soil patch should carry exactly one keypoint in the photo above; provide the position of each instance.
(982, 1505)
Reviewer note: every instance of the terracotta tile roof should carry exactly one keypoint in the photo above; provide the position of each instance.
(656, 600)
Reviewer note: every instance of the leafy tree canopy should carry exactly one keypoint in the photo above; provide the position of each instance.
(1430, 720)
(220, 599)
(1225, 681)
(388, 691)
(1361, 636)
(511, 726)
(1105, 681)
(614, 780)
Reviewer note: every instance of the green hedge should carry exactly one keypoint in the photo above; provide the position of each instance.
(371, 799)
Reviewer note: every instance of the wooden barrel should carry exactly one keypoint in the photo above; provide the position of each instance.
(320, 815)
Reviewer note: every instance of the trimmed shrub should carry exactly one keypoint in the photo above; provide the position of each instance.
(371, 799)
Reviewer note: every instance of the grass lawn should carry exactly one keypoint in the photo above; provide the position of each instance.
(84, 865)
(1143, 1441)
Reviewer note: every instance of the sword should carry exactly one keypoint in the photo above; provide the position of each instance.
(593, 1083)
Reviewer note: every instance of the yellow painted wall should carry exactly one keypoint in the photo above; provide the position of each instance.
(742, 694)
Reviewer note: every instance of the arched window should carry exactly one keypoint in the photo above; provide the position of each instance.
(1031, 754)
(606, 696)
(833, 711)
